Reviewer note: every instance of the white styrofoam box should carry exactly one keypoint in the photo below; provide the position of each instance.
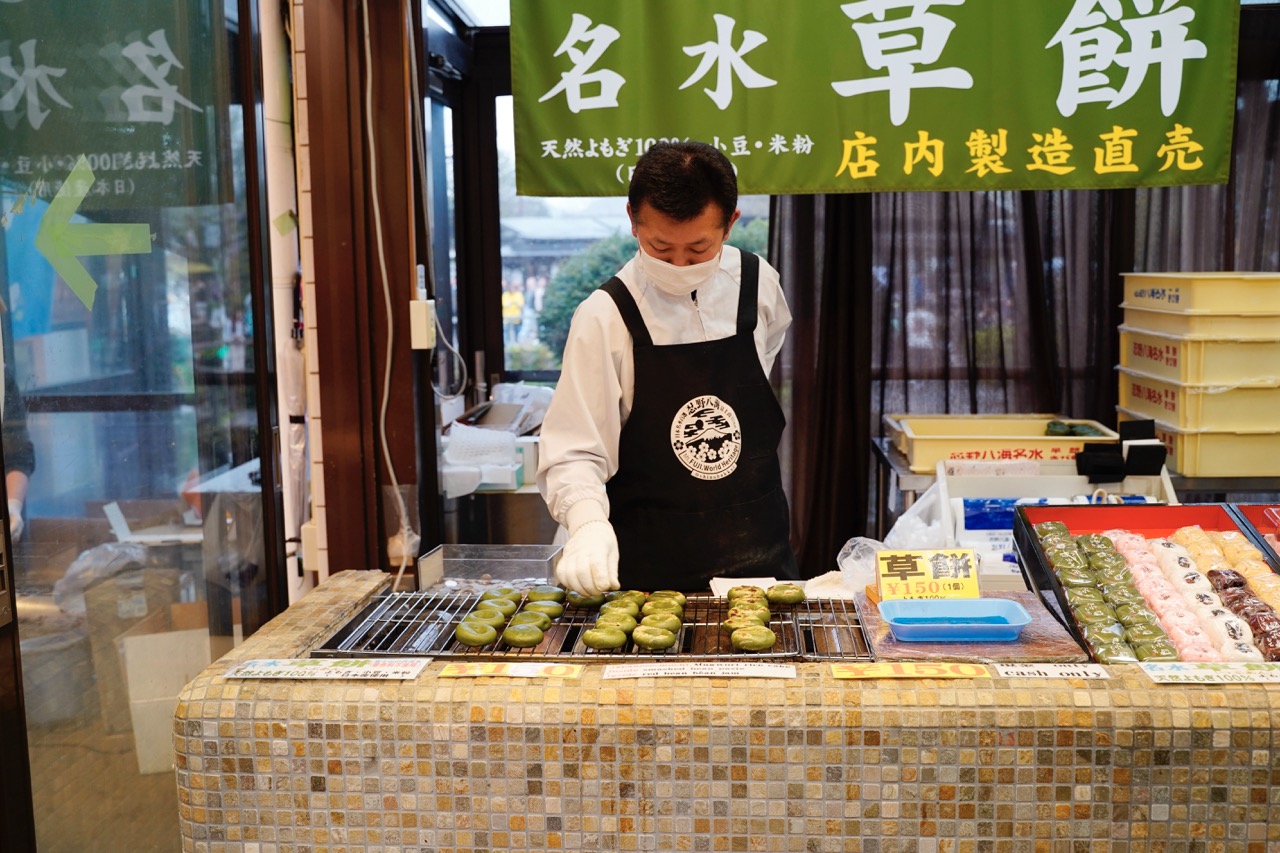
(1058, 481)
(527, 447)
(52, 358)
(501, 477)
(159, 665)
(153, 733)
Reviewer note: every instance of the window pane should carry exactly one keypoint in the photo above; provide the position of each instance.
(130, 423)
(449, 373)
(555, 251)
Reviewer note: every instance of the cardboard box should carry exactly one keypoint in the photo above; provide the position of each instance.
(113, 606)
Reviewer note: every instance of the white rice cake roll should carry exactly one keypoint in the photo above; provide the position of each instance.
(1240, 651)
(1223, 626)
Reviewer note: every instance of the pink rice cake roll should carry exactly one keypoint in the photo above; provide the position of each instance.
(1142, 563)
(1184, 623)
(1124, 540)
(1199, 653)
(1158, 587)
(1154, 588)
(1185, 635)
(1240, 652)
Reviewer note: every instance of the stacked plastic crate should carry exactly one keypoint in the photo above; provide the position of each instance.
(1200, 354)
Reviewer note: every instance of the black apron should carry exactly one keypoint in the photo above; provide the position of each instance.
(698, 492)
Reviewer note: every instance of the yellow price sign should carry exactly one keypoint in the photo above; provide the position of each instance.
(511, 669)
(902, 669)
(944, 573)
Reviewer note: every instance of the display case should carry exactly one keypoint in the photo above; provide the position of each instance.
(1171, 570)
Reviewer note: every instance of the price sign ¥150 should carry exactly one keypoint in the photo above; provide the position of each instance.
(946, 573)
(899, 669)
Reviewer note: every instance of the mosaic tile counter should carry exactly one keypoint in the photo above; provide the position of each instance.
(808, 764)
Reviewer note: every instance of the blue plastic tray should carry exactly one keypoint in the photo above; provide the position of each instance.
(955, 620)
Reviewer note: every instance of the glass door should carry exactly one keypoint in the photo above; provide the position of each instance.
(133, 328)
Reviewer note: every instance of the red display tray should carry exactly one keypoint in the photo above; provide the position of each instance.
(1150, 521)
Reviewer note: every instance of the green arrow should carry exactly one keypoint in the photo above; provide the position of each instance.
(61, 241)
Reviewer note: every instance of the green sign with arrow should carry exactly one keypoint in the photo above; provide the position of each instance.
(62, 241)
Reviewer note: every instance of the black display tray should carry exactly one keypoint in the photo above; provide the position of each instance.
(1147, 520)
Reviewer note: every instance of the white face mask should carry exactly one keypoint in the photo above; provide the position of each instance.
(678, 281)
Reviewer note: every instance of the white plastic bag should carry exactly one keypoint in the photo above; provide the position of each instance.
(96, 564)
(920, 527)
(857, 562)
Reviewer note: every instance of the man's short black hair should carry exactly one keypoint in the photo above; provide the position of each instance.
(679, 180)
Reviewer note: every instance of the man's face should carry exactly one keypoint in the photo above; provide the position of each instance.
(681, 244)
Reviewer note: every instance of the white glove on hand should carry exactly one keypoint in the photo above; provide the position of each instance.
(15, 519)
(589, 562)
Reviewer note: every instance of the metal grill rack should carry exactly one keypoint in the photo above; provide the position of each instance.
(421, 624)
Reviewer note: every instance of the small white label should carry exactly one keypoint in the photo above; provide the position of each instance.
(1051, 670)
(132, 606)
(700, 669)
(380, 669)
(1212, 673)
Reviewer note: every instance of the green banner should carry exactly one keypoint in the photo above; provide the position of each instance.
(131, 86)
(819, 96)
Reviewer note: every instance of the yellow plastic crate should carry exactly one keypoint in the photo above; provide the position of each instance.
(1198, 407)
(930, 439)
(1210, 326)
(898, 437)
(1207, 292)
(1200, 362)
(1210, 453)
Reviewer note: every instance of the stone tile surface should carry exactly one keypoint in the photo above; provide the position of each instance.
(713, 764)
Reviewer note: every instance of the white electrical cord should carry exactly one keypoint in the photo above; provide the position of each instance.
(402, 510)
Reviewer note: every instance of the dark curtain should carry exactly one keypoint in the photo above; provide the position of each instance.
(999, 302)
(821, 375)
(1232, 226)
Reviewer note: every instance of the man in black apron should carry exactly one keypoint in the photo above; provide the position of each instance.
(659, 449)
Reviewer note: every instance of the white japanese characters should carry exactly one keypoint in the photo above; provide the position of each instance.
(574, 81)
(26, 84)
(727, 61)
(898, 45)
(29, 80)
(1091, 46)
(155, 60)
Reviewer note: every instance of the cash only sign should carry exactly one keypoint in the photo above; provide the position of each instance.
(830, 97)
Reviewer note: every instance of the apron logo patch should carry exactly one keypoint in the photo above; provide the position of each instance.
(707, 438)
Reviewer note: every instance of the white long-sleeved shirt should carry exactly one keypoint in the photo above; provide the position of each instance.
(578, 449)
